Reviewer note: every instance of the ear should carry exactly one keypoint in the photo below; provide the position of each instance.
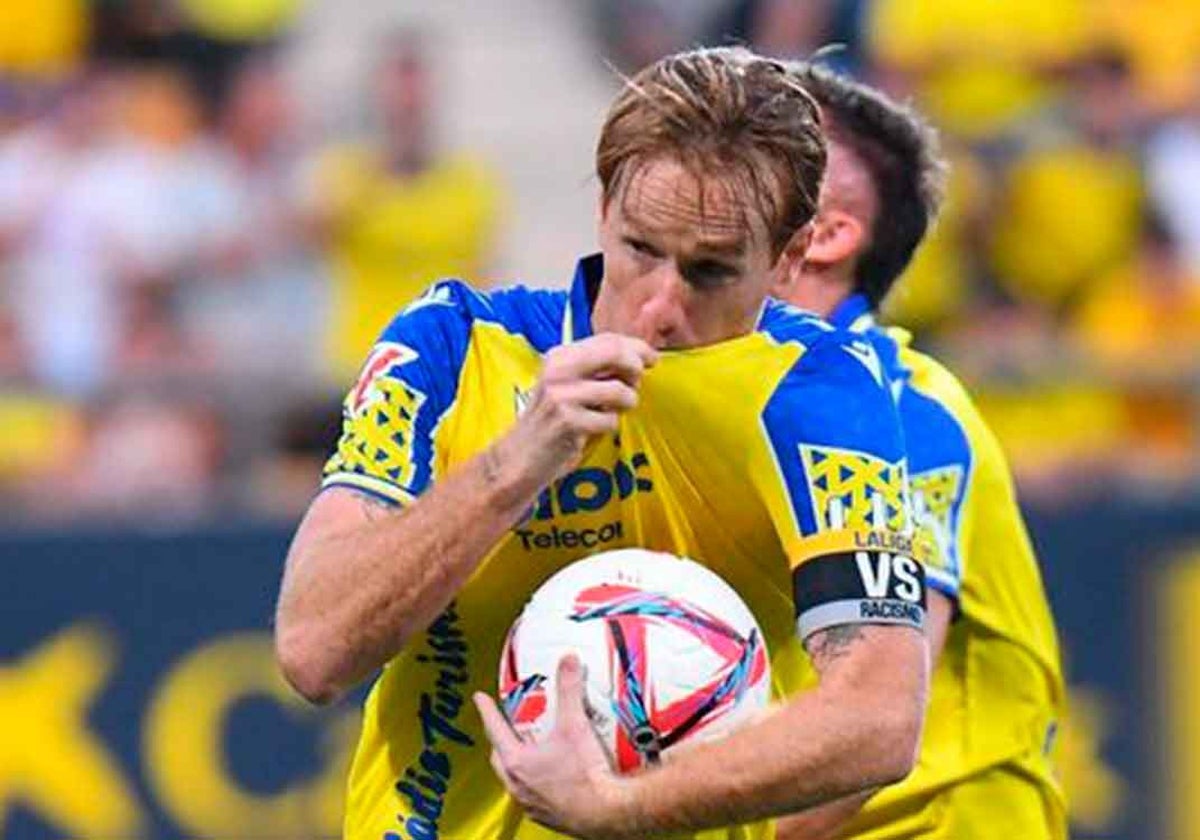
(791, 261)
(837, 238)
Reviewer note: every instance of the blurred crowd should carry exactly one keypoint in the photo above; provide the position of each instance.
(188, 277)
(188, 281)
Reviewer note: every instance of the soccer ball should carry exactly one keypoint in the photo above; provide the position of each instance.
(670, 651)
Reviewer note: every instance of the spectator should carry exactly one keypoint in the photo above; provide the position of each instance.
(395, 210)
(1142, 320)
(1173, 172)
(255, 303)
(979, 68)
(142, 457)
(1069, 208)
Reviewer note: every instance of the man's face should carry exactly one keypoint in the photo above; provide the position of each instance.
(686, 263)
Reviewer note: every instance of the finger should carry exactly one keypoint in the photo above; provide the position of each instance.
(501, 771)
(608, 355)
(496, 725)
(571, 691)
(594, 423)
(598, 395)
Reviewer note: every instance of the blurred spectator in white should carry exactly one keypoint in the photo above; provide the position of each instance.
(51, 336)
(122, 230)
(394, 212)
(140, 457)
(1173, 172)
(256, 303)
(36, 163)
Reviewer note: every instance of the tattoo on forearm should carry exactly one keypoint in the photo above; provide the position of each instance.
(375, 507)
(832, 644)
(491, 465)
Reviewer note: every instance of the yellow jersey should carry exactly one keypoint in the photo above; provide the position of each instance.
(997, 694)
(391, 234)
(764, 458)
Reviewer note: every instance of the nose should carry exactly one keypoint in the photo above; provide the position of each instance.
(663, 315)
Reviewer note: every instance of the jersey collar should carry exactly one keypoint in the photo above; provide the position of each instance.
(854, 314)
(577, 318)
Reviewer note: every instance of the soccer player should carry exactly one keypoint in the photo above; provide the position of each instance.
(997, 691)
(664, 401)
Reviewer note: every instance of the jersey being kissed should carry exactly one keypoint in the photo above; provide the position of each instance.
(776, 459)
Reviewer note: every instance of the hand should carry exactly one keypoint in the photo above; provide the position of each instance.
(565, 781)
(583, 389)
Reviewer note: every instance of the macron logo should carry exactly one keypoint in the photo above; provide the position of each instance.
(863, 352)
(438, 295)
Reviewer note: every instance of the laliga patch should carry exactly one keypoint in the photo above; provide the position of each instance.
(384, 358)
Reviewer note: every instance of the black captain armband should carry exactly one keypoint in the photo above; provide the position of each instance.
(859, 578)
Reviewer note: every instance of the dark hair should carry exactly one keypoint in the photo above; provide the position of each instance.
(902, 155)
(724, 113)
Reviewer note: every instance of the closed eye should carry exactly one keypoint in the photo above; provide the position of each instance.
(709, 274)
(642, 247)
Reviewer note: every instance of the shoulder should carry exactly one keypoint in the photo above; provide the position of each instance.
(939, 415)
(440, 322)
(835, 434)
(837, 393)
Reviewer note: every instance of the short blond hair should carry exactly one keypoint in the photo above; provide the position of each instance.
(724, 113)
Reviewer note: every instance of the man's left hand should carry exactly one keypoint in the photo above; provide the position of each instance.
(564, 781)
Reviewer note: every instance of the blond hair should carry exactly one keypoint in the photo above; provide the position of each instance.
(724, 113)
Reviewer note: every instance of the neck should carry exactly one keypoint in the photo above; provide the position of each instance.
(821, 291)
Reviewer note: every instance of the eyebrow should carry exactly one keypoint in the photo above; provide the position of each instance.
(721, 248)
(714, 248)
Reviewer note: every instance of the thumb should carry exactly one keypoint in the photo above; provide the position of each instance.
(571, 690)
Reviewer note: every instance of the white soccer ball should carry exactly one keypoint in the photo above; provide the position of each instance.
(670, 650)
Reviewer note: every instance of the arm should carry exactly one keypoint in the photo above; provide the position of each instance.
(859, 598)
(825, 822)
(358, 584)
(856, 731)
(363, 575)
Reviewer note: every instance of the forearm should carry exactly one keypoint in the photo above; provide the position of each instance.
(823, 822)
(352, 596)
(857, 731)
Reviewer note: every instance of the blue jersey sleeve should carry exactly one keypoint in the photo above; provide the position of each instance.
(408, 382)
(837, 439)
(940, 462)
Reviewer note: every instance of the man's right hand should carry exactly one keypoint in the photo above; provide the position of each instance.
(357, 586)
(583, 390)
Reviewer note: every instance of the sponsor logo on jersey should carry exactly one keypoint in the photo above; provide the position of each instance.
(584, 490)
(556, 537)
(384, 358)
(443, 741)
(593, 488)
